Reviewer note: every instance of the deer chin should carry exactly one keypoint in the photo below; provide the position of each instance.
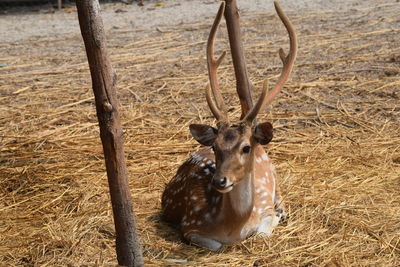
(226, 189)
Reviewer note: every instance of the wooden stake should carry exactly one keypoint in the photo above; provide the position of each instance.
(129, 252)
(243, 84)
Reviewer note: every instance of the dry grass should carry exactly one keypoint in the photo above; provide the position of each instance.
(337, 144)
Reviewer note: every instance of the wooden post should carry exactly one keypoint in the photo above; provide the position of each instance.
(129, 252)
(243, 84)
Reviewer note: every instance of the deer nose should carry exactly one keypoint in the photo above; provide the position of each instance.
(220, 183)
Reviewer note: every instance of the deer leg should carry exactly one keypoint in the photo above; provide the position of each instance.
(268, 223)
(204, 242)
(279, 204)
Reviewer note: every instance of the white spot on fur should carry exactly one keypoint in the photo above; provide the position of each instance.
(274, 182)
(264, 157)
(194, 197)
(262, 180)
(258, 159)
(195, 158)
(273, 191)
(272, 167)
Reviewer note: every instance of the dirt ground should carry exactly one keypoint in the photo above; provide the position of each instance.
(336, 145)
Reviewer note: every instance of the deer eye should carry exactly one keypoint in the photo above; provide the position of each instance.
(246, 149)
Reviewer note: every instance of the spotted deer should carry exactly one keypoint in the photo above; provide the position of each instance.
(229, 191)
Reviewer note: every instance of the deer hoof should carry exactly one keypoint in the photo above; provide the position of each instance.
(205, 242)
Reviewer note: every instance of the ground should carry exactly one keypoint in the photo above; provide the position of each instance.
(336, 144)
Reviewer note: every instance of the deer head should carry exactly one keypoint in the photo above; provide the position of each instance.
(234, 143)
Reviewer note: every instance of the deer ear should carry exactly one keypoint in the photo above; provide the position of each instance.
(263, 133)
(204, 134)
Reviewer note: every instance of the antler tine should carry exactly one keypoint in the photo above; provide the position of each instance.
(288, 62)
(217, 107)
(259, 103)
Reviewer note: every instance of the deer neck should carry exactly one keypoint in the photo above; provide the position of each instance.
(238, 203)
(240, 200)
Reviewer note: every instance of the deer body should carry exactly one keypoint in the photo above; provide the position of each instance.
(250, 207)
(225, 193)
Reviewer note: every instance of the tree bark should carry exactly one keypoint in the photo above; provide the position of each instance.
(129, 252)
(243, 84)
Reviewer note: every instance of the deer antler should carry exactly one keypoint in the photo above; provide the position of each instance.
(217, 107)
(288, 62)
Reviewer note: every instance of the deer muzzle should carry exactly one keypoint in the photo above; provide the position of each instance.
(222, 184)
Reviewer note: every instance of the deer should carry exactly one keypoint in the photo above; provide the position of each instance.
(228, 191)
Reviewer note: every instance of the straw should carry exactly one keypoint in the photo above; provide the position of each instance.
(336, 146)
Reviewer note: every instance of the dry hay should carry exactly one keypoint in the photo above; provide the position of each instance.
(336, 146)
